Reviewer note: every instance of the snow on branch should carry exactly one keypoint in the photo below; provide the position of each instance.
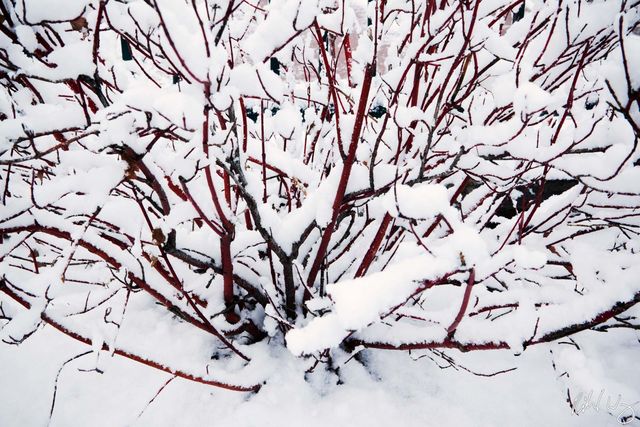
(187, 181)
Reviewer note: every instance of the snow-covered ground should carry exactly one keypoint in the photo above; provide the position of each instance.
(395, 391)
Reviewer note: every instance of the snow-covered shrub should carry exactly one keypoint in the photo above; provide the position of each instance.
(184, 183)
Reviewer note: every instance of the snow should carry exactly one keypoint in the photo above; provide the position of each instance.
(281, 24)
(41, 119)
(527, 258)
(419, 202)
(416, 392)
(529, 98)
(55, 10)
(478, 266)
(359, 302)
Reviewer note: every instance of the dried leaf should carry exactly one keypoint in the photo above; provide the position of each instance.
(79, 23)
(158, 236)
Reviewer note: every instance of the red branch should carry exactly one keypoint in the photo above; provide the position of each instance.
(132, 356)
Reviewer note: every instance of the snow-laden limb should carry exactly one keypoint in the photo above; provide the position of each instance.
(324, 176)
(101, 346)
(360, 302)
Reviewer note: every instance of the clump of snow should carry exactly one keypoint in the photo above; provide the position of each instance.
(422, 201)
(55, 10)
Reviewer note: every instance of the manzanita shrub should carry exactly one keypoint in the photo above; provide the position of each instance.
(190, 183)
